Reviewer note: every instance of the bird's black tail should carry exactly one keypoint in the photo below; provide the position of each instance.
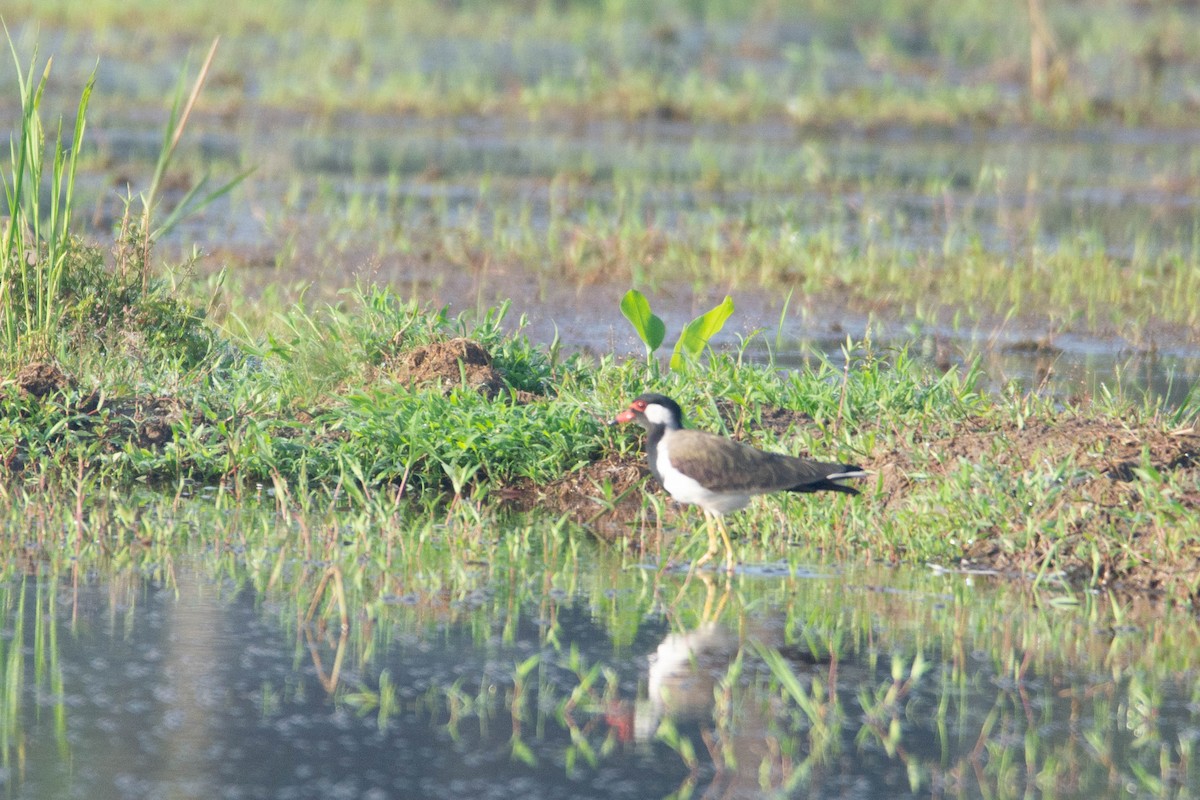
(830, 482)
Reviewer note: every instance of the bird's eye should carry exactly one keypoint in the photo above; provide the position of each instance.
(639, 405)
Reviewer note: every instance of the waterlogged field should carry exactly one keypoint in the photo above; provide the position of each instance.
(306, 486)
(216, 648)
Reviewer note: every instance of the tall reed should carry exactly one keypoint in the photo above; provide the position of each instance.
(36, 240)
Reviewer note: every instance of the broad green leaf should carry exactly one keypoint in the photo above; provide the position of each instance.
(697, 333)
(649, 327)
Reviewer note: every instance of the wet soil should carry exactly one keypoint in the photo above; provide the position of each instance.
(147, 420)
(1109, 461)
(41, 378)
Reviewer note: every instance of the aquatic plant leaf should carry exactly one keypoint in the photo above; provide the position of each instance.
(649, 326)
(697, 333)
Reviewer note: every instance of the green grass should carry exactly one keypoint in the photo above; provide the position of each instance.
(1105, 274)
(968, 230)
(36, 241)
(320, 412)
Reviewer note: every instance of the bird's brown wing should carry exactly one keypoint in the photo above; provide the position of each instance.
(723, 465)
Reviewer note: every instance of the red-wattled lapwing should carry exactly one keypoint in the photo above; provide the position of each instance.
(719, 474)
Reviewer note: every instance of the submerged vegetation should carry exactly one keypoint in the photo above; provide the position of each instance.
(336, 620)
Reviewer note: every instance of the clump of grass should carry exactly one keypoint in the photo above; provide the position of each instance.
(115, 313)
(58, 297)
(37, 247)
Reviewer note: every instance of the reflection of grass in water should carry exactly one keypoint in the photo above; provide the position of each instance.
(935, 673)
(31, 640)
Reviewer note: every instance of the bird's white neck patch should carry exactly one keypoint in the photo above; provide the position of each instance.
(659, 414)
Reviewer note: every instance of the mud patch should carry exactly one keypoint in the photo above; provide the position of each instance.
(41, 378)
(451, 363)
(1106, 455)
(775, 421)
(605, 495)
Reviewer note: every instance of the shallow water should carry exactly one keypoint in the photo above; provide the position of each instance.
(920, 194)
(589, 679)
(1073, 369)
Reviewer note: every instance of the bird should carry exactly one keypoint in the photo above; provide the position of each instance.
(719, 474)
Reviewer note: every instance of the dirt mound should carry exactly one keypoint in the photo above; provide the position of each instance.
(450, 363)
(40, 378)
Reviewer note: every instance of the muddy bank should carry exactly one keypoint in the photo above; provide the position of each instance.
(1066, 493)
(1104, 466)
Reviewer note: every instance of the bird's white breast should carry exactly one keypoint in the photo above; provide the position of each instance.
(686, 489)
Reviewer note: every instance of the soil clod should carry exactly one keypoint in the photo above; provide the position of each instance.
(41, 378)
(451, 363)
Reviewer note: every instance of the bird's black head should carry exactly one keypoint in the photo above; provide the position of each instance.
(651, 411)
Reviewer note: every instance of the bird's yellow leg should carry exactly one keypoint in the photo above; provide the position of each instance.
(712, 541)
(711, 614)
(728, 544)
(712, 524)
(712, 550)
